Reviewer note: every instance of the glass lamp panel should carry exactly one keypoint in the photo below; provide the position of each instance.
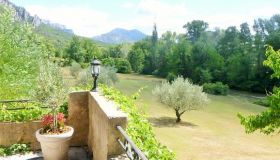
(92, 69)
(96, 69)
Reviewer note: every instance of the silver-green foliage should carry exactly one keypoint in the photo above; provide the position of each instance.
(84, 78)
(75, 69)
(50, 89)
(181, 95)
(108, 75)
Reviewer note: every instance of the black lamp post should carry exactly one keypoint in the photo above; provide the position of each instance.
(95, 70)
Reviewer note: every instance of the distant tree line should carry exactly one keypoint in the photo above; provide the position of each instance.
(232, 56)
(82, 50)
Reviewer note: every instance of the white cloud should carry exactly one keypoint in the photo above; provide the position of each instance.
(166, 16)
(224, 20)
(127, 5)
(84, 21)
(142, 15)
(89, 22)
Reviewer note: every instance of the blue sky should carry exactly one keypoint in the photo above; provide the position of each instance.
(94, 17)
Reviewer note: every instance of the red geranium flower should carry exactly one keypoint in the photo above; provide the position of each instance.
(48, 119)
(60, 117)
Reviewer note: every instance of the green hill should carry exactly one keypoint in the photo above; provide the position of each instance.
(57, 36)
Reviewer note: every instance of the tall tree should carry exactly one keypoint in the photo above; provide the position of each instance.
(195, 29)
(116, 52)
(136, 59)
(151, 56)
(262, 77)
(206, 62)
(164, 50)
(259, 28)
(90, 50)
(268, 121)
(229, 44)
(74, 50)
(154, 36)
(245, 35)
(179, 61)
(274, 40)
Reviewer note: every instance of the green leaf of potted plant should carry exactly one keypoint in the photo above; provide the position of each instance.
(54, 136)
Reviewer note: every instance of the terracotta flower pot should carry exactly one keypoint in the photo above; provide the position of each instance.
(55, 147)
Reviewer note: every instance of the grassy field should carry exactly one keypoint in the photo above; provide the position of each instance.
(213, 133)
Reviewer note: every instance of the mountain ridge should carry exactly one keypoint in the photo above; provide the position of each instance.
(120, 35)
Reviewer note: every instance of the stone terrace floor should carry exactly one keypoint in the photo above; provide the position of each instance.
(75, 153)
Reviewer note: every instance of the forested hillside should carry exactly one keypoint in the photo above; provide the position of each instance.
(233, 56)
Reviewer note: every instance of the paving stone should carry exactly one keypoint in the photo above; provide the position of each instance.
(75, 153)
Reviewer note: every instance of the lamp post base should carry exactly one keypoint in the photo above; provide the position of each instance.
(94, 90)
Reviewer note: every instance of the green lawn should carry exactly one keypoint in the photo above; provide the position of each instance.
(213, 133)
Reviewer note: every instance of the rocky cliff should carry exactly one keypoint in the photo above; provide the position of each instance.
(22, 15)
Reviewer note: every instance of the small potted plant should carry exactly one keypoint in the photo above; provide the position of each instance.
(54, 136)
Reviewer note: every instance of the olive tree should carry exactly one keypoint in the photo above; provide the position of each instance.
(181, 95)
(108, 75)
(50, 90)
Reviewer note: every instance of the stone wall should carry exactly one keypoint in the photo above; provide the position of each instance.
(78, 117)
(103, 118)
(19, 132)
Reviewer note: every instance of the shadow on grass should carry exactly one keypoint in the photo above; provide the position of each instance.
(168, 122)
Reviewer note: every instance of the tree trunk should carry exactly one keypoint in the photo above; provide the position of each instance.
(178, 115)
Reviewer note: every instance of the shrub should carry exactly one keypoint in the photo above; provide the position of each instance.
(139, 128)
(14, 149)
(170, 77)
(217, 88)
(108, 75)
(263, 102)
(205, 76)
(23, 115)
(75, 69)
(201, 76)
(122, 65)
(20, 53)
(108, 61)
(64, 108)
(84, 77)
